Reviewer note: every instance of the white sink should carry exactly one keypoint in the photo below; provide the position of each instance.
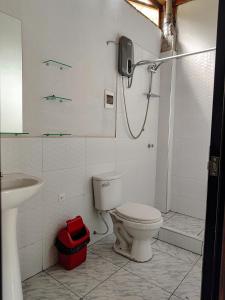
(15, 189)
(18, 187)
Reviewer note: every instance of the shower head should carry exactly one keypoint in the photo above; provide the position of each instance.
(154, 67)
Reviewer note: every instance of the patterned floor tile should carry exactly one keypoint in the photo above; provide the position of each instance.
(43, 287)
(190, 288)
(99, 279)
(126, 286)
(188, 225)
(85, 277)
(162, 270)
(109, 239)
(106, 251)
(104, 248)
(202, 235)
(168, 215)
(182, 254)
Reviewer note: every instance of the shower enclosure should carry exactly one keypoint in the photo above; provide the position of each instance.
(185, 111)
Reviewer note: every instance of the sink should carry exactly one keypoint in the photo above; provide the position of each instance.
(15, 189)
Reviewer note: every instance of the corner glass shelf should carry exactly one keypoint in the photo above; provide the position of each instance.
(56, 63)
(14, 133)
(56, 98)
(56, 134)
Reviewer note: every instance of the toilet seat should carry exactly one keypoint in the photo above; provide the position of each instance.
(139, 213)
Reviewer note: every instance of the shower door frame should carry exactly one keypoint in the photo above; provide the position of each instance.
(213, 276)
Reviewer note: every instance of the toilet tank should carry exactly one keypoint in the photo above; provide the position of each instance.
(107, 191)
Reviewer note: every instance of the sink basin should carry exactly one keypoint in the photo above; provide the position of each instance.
(15, 189)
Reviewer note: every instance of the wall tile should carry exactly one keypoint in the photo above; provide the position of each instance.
(21, 155)
(65, 153)
(192, 125)
(68, 181)
(190, 159)
(30, 222)
(100, 151)
(189, 196)
(31, 260)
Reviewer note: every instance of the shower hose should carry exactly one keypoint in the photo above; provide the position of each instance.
(133, 135)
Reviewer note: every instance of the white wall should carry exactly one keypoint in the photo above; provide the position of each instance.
(79, 39)
(197, 25)
(67, 164)
(187, 184)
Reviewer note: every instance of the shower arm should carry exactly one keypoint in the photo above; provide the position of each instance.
(154, 64)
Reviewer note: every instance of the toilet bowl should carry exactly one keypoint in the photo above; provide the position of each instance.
(134, 224)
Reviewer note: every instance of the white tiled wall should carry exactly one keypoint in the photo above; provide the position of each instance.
(67, 166)
(182, 176)
(192, 128)
(193, 107)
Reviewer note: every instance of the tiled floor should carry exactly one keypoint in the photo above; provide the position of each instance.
(185, 224)
(172, 273)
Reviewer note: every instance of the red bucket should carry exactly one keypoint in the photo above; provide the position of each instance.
(71, 243)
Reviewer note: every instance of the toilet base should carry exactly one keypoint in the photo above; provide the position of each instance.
(136, 253)
(133, 240)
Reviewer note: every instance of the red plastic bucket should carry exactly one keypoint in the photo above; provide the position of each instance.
(71, 243)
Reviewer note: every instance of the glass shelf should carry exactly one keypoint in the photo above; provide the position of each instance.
(56, 98)
(14, 133)
(56, 134)
(57, 64)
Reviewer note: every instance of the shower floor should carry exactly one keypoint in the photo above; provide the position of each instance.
(183, 231)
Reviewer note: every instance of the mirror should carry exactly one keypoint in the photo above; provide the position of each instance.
(10, 74)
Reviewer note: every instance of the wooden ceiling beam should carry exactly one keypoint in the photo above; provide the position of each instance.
(155, 3)
(162, 2)
(180, 2)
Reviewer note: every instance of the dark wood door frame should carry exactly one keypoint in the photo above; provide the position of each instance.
(214, 261)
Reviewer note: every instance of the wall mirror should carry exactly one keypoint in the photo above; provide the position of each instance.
(10, 74)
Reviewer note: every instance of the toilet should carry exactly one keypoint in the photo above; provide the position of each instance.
(134, 224)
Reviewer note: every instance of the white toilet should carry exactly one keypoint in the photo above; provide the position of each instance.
(134, 224)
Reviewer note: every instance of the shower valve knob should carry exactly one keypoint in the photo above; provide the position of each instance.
(150, 146)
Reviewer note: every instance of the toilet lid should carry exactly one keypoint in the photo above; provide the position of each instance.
(139, 213)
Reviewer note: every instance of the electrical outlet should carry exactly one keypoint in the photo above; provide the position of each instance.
(61, 197)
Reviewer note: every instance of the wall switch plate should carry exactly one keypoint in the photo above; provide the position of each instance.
(109, 99)
(61, 197)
